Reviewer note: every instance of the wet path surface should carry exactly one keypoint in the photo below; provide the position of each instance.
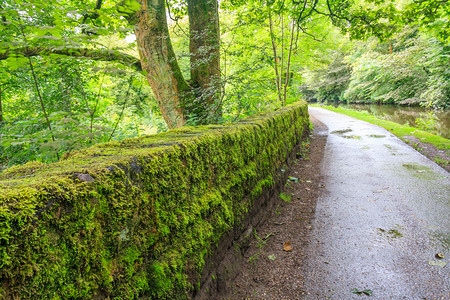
(381, 218)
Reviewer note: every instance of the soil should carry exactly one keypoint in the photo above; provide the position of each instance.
(441, 157)
(269, 271)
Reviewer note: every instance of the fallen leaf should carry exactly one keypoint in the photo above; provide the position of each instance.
(272, 257)
(356, 291)
(439, 255)
(287, 246)
(437, 263)
(359, 293)
(293, 179)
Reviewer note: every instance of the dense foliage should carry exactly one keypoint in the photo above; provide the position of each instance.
(52, 104)
(409, 68)
(71, 76)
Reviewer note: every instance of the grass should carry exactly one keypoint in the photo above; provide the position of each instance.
(285, 197)
(441, 162)
(401, 131)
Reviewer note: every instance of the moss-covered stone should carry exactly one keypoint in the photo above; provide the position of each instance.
(137, 217)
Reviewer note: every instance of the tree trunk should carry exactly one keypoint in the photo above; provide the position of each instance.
(204, 48)
(159, 63)
(275, 57)
(177, 100)
(287, 79)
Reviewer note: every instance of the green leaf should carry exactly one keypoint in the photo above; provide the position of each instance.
(293, 179)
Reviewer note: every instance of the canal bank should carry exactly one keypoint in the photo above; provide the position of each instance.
(436, 121)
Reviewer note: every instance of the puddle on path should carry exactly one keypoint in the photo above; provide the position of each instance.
(377, 136)
(440, 240)
(356, 137)
(419, 171)
(392, 233)
(342, 131)
(392, 148)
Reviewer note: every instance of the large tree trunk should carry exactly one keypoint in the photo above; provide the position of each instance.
(159, 62)
(178, 100)
(204, 48)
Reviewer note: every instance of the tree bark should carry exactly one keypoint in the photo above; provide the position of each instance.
(275, 57)
(204, 48)
(176, 98)
(288, 77)
(159, 62)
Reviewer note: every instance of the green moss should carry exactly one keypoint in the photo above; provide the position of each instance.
(285, 197)
(138, 217)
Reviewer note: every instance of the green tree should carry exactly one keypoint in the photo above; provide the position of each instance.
(414, 73)
(52, 31)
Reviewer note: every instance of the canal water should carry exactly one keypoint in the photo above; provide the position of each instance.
(435, 121)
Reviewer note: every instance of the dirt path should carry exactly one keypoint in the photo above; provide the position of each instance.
(371, 217)
(283, 277)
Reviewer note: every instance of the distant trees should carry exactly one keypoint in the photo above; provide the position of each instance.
(414, 73)
(407, 67)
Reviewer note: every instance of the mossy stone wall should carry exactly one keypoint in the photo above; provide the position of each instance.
(137, 218)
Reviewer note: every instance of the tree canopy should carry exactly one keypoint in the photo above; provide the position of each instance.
(76, 73)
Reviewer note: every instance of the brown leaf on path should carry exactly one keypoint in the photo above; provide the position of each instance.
(287, 246)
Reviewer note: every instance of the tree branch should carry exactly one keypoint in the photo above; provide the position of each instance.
(309, 34)
(94, 54)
